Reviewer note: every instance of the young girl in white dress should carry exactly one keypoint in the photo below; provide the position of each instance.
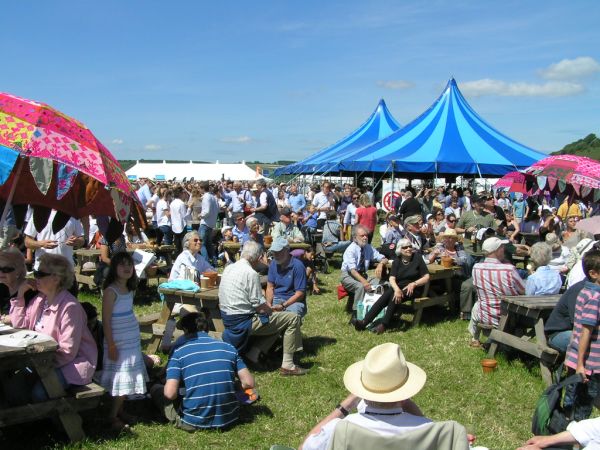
(124, 372)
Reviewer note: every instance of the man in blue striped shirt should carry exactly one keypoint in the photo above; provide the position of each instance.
(208, 368)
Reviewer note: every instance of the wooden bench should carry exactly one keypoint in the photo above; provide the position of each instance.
(147, 320)
(78, 398)
(485, 329)
(420, 303)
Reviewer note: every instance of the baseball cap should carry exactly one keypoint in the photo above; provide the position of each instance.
(490, 245)
(279, 243)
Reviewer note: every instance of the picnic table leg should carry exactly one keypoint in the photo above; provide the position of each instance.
(541, 339)
(165, 315)
(70, 419)
(501, 327)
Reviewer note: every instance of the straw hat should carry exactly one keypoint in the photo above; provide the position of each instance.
(449, 233)
(384, 376)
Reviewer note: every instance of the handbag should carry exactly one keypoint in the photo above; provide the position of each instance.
(368, 301)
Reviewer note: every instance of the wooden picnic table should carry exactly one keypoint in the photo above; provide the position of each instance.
(40, 357)
(233, 248)
(236, 246)
(84, 255)
(436, 272)
(536, 308)
(205, 299)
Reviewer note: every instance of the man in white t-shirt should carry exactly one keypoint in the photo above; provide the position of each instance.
(178, 213)
(323, 202)
(164, 234)
(61, 243)
(70, 238)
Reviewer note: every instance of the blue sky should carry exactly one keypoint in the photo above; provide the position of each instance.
(271, 80)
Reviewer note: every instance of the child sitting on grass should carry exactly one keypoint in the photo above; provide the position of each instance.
(583, 353)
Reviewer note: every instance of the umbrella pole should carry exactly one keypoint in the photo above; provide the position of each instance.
(11, 193)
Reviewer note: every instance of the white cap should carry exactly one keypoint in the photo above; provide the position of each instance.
(490, 245)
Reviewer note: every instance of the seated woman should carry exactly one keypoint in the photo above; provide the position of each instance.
(545, 280)
(438, 224)
(12, 276)
(253, 231)
(55, 312)
(447, 246)
(408, 276)
(190, 258)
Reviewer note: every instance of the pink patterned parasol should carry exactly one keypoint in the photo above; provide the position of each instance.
(69, 169)
(578, 174)
(513, 182)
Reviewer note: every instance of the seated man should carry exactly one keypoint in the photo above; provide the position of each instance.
(286, 285)
(559, 326)
(493, 279)
(356, 261)
(286, 227)
(210, 400)
(332, 233)
(246, 313)
(240, 231)
(414, 233)
(381, 387)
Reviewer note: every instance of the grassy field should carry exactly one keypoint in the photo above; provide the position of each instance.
(497, 407)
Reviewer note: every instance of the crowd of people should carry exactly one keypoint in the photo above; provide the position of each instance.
(206, 378)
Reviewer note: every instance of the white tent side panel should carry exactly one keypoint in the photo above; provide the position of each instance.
(179, 171)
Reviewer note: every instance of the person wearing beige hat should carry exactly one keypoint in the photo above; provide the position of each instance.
(381, 387)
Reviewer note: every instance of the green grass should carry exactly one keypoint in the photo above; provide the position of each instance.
(497, 407)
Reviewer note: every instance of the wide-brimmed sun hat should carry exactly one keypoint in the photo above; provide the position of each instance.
(449, 233)
(384, 375)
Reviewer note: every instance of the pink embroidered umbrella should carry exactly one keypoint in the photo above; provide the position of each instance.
(51, 160)
(577, 175)
(513, 182)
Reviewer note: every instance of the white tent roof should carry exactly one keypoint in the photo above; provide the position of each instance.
(199, 171)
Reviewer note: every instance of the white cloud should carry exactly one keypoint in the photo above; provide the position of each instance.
(152, 147)
(395, 84)
(237, 140)
(117, 141)
(571, 69)
(488, 86)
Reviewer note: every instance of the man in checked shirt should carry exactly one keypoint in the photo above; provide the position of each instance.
(493, 278)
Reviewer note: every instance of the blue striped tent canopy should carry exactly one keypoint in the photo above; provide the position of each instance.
(448, 138)
(379, 125)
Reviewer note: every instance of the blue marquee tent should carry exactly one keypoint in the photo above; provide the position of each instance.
(450, 138)
(379, 125)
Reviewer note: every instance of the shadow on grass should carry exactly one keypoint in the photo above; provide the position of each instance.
(312, 344)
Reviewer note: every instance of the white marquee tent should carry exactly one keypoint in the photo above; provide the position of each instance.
(197, 171)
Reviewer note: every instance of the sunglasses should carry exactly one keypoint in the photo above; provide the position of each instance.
(196, 240)
(37, 274)
(451, 221)
(7, 269)
(404, 247)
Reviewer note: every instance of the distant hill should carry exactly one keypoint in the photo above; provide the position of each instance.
(588, 146)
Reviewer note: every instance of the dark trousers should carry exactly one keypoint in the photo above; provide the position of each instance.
(178, 241)
(387, 299)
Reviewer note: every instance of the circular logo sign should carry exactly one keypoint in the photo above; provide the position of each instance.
(388, 200)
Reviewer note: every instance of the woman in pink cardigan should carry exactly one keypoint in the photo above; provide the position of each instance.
(55, 312)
